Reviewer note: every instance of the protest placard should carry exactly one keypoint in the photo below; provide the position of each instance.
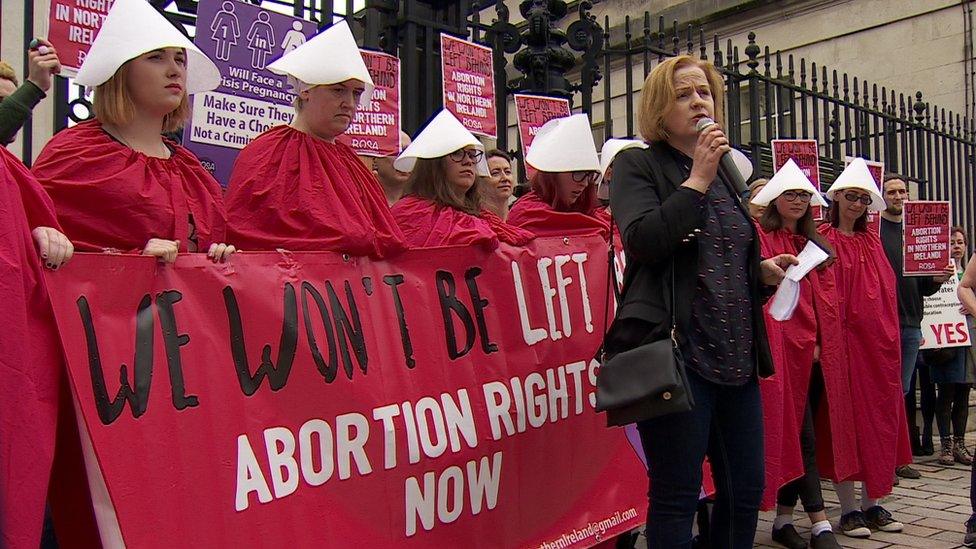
(469, 84)
(926, 238)
(242, 39)
(72, 26)
(375, 130)
(943, 325)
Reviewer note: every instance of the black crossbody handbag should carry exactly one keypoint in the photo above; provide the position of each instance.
(645, 382)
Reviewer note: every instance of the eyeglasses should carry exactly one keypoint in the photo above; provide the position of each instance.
(589, 177)
(858, 197)
(473, 154)
(793, 196)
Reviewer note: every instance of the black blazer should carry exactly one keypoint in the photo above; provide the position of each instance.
(659, 225)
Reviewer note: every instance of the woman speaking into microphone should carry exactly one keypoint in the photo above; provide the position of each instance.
(693, 263)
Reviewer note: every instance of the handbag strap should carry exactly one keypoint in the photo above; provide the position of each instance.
(613, 286)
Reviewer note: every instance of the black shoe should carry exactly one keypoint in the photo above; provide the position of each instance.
(825, 540)
(907, 471)
(927, 448)
(853, 525)
(970, 532)
(787, 536)
(878, 518)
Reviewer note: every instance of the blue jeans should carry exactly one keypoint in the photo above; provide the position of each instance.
(911, 338)
(726, 424)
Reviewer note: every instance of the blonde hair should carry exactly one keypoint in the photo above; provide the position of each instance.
(658, 95)
(7, 73)
(113, 104)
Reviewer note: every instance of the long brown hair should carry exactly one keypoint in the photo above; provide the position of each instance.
(771, 220)
(429, 180)
(545, 185)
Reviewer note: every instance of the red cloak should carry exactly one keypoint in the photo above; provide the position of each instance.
(426, 225)
(815, 320)
(31, 364)
(295, 191)
(110, 196)
(533, 213)
(870, 332)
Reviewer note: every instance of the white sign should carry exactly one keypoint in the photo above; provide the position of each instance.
(942, 323)
(231, 121)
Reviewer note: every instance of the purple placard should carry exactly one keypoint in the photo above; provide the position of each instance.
(242, 39)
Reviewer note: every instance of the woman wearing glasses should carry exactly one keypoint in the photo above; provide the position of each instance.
(694, 271)
(870, 334)
(810, 363)
(563, 199)
(444, 207)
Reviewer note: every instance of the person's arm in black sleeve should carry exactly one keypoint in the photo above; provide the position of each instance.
(928, 286)
(16, 108)
(651, 229)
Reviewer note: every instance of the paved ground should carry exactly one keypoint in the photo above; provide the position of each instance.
(933, 509)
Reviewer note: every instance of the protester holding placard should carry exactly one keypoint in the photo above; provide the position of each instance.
(393, 181)
(116, 182)
(811, 363)
(562, 201)
(17, 101)
(949, 370)
(498, 187)
(444, 205)
(911, 290)
(294, 186)
(687, 238)
(870, 337)
(31, 367)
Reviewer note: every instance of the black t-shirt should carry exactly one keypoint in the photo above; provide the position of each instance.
(911, 289)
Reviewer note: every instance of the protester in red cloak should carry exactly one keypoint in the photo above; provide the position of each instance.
(562, 201)
(31, 367)
(561, 204)
(444, 207)
(294, 186)
(870, 334)
(811, 361)
(119, 185)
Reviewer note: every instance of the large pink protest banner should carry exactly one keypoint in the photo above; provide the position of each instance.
(926, 239)
(442, 399)
(72, 26)
(375, 130)
(532, 112)
(469, 84)
(806, 154)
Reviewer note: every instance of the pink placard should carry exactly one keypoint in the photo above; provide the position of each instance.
(469, 84)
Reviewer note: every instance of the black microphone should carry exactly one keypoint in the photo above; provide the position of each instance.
(726, 164)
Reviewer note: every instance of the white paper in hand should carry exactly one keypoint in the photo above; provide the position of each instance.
(788, 293)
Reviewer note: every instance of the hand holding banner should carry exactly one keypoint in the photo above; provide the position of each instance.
(468, 73)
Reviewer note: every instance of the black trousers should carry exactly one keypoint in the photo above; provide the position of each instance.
(807, 488)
